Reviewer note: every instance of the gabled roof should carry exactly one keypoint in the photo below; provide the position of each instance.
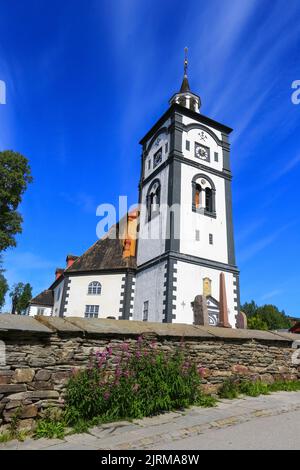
(106, 254)
(45, 298)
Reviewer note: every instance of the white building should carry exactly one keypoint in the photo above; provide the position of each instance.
(180, 253)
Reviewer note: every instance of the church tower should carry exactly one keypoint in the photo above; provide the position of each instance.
(185, 237)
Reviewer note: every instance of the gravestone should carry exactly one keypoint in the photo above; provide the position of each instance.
(200, 310)
(241, 320)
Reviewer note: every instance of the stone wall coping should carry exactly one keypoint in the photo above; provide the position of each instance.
(61, 325)
(235, 333)
(107, 327)
(22, 323)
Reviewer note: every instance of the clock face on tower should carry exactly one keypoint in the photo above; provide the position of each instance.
(202, 152)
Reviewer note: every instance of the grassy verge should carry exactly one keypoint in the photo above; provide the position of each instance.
(233, 388)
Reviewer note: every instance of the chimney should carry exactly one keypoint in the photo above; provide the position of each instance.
(58, 272)
(70, 260)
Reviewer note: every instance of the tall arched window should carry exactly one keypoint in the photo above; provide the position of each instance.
(94, 288)
(204, 195)
(153, 199)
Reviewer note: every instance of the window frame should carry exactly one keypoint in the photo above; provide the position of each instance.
(91, 311)
(211, 212)
(146, 310)
(149, 199)
(94, 288)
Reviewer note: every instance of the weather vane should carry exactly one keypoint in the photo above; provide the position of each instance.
(185, 60)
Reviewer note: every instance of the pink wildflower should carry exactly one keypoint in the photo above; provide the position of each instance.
(106, 395)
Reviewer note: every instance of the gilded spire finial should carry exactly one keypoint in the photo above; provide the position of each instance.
(185, 60)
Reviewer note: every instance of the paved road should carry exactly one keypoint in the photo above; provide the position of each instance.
(266, 422)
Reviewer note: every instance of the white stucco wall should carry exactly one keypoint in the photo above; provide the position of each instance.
(150, 287)
(160, 142)
(187, 120)
(193, 136)
(58, 293)
(108, 300)
(33, 310)
(152, 234)
(191, 221)
(190, 283)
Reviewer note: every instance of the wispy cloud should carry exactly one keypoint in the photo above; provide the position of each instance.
(251, 250)
(285, 169)
(84, 201)
(271, 294)
(251, 227)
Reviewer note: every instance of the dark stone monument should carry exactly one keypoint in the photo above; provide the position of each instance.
(200, 310)
(241, 320)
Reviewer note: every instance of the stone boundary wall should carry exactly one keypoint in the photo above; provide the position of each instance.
(42, 352)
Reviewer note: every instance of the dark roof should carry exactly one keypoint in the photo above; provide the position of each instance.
(44, 298)
(105, 254)
(185, 86)
(187, 112)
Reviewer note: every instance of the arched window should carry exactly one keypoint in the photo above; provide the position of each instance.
(94, 288)
(208, 199)
(204, 195)
(153, 199)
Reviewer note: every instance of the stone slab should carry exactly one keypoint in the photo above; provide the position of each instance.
(97, 326)
(22, 323)
(234, 333)
(62, 325)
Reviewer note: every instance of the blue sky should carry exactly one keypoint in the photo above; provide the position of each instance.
(85, 81)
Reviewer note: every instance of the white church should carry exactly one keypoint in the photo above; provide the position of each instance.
(183, 232)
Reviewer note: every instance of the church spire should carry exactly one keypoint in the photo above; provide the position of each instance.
(185, 86)
(185, 97)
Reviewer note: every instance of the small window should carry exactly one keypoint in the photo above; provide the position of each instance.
(149, 164)
(91, 311)
(187, 145)
(153, 199)
(197, 235)
(157, 158)
(146, 311)
(211, 239)
(216, 157)
(208, 199)
(40, 311)
(58, 295)
(166, 147)
(197, 199)
(94, 288)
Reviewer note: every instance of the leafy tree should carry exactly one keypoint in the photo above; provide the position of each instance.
(20, 295)
(249, 308)
(273, 317)
(15, 174)
(266, 317)
(3, 290)
(255, 322)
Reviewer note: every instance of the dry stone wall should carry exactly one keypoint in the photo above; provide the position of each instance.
(42, 353)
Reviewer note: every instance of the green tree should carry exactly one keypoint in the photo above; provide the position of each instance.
(15, 174)
(255, 322)
(249, 308)
(20, 295)
(273, 317)
(3, 290)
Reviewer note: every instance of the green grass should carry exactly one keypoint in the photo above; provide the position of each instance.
(5, 437)
(232, 388)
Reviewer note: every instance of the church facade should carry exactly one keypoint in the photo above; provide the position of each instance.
(183, 225)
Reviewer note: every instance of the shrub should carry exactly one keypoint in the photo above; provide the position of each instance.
(254, 389)
(229, 388)
(143, 382)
